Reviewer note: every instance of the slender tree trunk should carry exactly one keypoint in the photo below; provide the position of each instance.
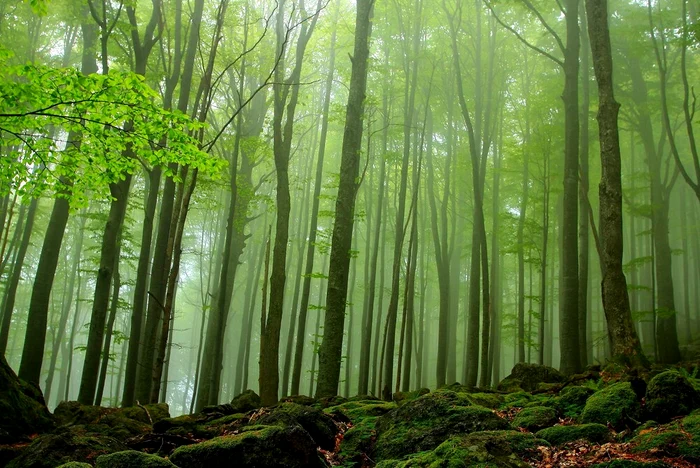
(109, 258)
(329, 355)
(8, 303)
(114, 306)
(625, 343)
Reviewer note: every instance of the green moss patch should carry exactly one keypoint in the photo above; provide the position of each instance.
(616, 405)
(535, 418)
(557, 435)
(670, 394)
(318, 424)
(132, 459)
(272, 447)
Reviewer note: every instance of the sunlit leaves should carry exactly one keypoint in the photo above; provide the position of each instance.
(62, 128)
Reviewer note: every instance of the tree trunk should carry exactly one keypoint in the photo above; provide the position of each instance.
(625, 344)
(329, 355)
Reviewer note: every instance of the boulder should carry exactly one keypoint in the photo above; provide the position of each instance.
(535, 418)
(528, 376)
(73, 444)
(572, 400)
(616, 405)
(424, 423)
(260, 447)
(119, 423)
(132, 459)
(504, 449)
(246, 401)
(557, 435)
(319, 425)
(670, 394)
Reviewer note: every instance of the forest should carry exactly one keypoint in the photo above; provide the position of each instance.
(344, 222)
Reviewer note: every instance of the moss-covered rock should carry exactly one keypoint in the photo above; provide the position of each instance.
(51, 450)
(120, 423)
(318, 424)
(75, 465)
(572, 400)
(186, 425)
(480, 449)
(356, 411)
(269, 447)
(358, 442)
(679, 438)
(616, 405)
(22, 407)
(132, 459)
(557, 435)
(523, 399)
(246, 401)
(487, 400)
(424, 423)
(529, 376)
(535, 418)
(670, 394)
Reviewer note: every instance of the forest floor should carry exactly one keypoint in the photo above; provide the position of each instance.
(536, 418)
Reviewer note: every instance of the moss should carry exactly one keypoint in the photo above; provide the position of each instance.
(680, 438)
(529, 376)
(616, 405)
(75, 465)
(356, 411)
(274, 446)
(246, 401)
(157, 411)
(426, 422)
(132, 459)
(670, 394)
(318, 424)
(571, 401)
(480, 449)
(299, 400)
(523, 399)
(535, 418)
(50, 450)
(358, 442)
(487, 400)
(558, 435)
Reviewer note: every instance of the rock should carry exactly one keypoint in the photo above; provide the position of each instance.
(75, 465)
(491, 448)
(157, 412)
(356, 411)
(528, 376)
(246, 401)
(670, 394)
(185, 425)
(616, 405)
(132, 459)
(74, 444)
(426, 422)
(268, 447)
(327, 402)
(319, 425)
(681, 438)
(571, 401)
(487, 400)
(557, 435)
(358, 442)
(22, 408)
(535, 418)
(114, 422)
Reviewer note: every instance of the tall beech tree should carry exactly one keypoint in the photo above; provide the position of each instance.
(329, 355)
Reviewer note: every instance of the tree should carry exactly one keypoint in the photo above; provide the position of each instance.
(329, 354)
(625, 343)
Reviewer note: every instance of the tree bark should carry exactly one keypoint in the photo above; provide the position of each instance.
(625, 343)
(329, 355)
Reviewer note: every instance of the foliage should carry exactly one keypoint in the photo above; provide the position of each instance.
(71, 134)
